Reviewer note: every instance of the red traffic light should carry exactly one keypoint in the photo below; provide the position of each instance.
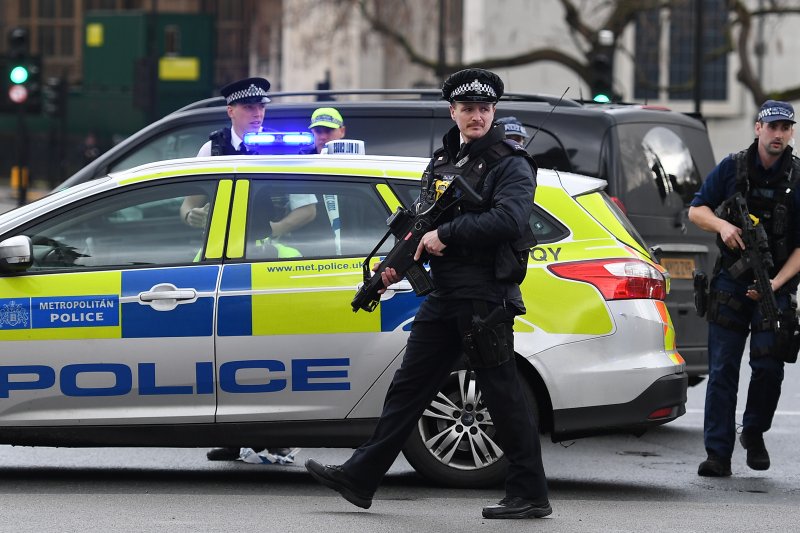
(18, 94)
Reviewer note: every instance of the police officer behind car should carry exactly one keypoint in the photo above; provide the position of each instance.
(766, 174)
(470, 307)
(326, 125)
(514, 129)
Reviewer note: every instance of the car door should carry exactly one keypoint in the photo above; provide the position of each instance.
(289, 346)
(113, 323)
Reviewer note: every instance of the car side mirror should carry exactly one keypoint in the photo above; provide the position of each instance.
(16, 254)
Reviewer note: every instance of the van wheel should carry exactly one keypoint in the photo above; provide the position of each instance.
(453, 443)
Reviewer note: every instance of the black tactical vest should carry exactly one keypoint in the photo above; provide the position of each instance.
(771, 203)
(221, 142)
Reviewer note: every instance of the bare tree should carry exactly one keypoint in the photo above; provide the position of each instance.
(615, 16)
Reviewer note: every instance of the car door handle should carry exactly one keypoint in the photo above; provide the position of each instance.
(180, 294)
(166, 297)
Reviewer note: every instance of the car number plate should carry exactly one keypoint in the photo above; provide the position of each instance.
(678, 268)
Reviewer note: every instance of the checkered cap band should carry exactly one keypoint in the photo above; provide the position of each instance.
(250, 92)
(782, 112)
(474, 87)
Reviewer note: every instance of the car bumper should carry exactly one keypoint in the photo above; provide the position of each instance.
(668, 392)
(696, 358)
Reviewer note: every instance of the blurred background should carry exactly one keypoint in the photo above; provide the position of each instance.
(80, 75)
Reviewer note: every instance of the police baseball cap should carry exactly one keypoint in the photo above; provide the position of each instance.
(246, 91)
(513, 126)
(472, 85)
(328, 117)
(774, 110)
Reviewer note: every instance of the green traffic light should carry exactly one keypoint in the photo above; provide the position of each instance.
(602, 99)
(18, 74)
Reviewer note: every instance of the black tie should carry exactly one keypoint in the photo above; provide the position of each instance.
(243, 149)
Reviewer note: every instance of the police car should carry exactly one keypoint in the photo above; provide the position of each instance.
(122, 325)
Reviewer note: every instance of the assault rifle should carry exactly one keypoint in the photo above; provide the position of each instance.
(756, 256)
(409, 228)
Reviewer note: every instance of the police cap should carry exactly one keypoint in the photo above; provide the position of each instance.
(473, 85)
(513, 126)
(246, 91)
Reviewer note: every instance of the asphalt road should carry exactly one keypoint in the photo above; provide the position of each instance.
(616, 483)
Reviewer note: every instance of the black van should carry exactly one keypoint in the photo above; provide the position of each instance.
(653, 159)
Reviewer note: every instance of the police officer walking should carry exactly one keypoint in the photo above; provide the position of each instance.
(766, 175)
(477, 295)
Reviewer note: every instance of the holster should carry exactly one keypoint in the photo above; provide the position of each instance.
(489, 340)
(700, 292)
(787, 338)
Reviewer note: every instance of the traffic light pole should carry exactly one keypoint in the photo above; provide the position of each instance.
(22, 156)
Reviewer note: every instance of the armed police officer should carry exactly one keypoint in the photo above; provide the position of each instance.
(514, 129)
(765, 175)
(477, 258)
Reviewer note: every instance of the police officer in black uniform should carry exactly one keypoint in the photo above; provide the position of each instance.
(476, 273)
(247, 103)
(766, 174)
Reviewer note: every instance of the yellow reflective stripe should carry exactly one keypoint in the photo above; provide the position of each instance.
(238, 220)
(388, 196)
(403, 174)
(219, 220)
(336, 171)
(596, 206)
(170, 173)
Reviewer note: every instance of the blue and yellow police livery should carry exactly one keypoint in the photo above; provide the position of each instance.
(122, 324)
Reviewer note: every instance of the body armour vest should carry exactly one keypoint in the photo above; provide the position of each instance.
(771, 203)
(473, 167)
(221, 143)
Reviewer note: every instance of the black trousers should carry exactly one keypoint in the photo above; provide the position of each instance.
(433, 349)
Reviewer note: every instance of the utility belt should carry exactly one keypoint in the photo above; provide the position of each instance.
(709, 302)
(488, 339)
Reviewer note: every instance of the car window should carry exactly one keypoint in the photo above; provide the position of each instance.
(138, 227)
(660, 172)
(333, 219)
(547, 151)
(546, 228)
(174, 144)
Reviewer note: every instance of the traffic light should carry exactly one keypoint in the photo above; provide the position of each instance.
(54, 97)
(21, 75)
(601, 64)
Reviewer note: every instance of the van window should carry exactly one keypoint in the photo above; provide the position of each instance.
(547, 151)
(174, 144)
(658, 166)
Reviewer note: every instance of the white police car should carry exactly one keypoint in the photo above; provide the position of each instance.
(122, 325)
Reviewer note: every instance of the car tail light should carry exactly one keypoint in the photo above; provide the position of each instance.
(619, 204)
(661, 413)
(616, 279)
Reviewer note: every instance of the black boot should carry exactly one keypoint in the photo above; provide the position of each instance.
(516, 507)
(333, 476)
(757, 455)
(223, 454)
(715, 467)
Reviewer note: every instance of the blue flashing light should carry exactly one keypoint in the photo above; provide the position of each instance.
(278, 138)
(602, 99)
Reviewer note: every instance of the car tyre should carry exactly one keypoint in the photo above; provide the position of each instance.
(449, 450)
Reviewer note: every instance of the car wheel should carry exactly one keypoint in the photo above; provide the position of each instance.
(454, 442)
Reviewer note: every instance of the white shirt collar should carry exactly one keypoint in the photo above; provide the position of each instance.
(236, 141)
